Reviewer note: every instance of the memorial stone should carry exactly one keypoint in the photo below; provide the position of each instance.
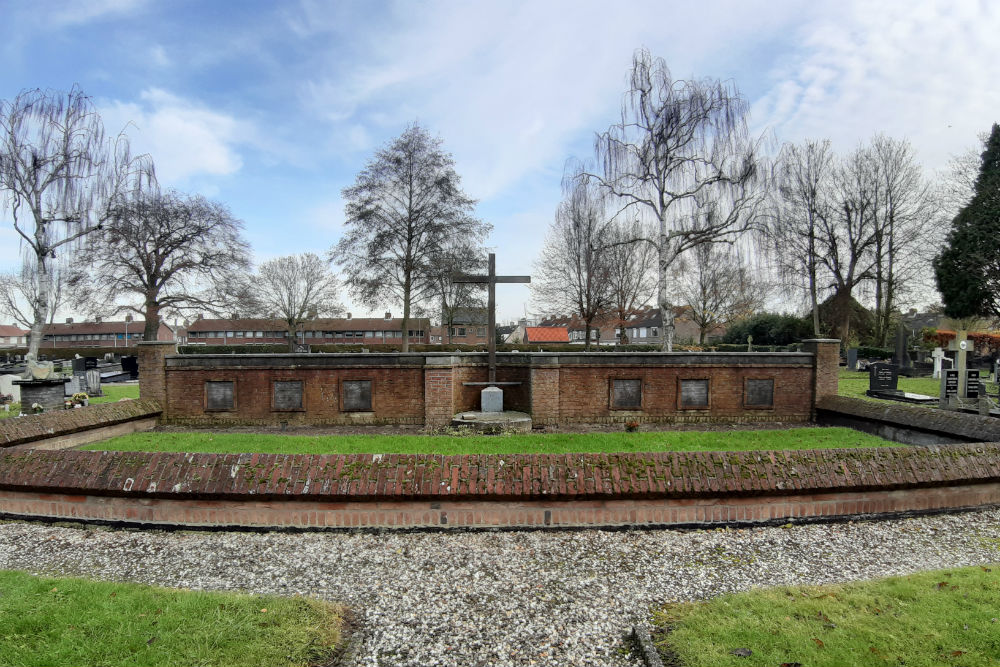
(760, 393)
(694, 393)
(491, 399)
(288, 395)
(950, 383)
(972, 384)
(882, 378)
(93, 380)
(937, 355)
(627, 394)
(852, 358)
(219, 395)
(357, 395)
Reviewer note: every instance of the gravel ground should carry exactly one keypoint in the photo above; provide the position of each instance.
(505, 598)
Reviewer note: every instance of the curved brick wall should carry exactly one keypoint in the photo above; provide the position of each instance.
(480, 490)
(58, 423)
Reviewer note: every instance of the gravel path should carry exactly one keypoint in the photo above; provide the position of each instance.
(506, 598)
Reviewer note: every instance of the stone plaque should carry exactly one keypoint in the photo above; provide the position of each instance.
(760, 393)
(220, 395)
(950, 383)
(288, 395)
(972, 383)
(626, 394)
(852, 358)
(694, 393)
(357, 395)
(882, 377)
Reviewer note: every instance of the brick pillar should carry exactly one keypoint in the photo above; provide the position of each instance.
(439, 405)
(153, 370)
(544, 390)
(826, 367)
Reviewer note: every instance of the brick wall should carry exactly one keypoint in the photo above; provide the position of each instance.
(429, 388)
(58, 423)
(152, 369)
(827, 355)
(481, 490)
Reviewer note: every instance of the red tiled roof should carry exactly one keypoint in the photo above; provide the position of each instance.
(10, 330)
(109, 327)
(546, 334)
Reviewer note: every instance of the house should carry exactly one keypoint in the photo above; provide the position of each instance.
(467, 327)
(99, 333)
(320, 331)
(643, 326)
(13, 336)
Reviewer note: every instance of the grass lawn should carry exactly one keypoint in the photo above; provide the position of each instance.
(547, 443)
(112, 393)
(67, 621)
(947, 617)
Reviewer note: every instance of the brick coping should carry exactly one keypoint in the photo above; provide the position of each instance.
(56, 423)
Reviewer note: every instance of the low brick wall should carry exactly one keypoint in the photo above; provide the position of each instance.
(910, 424)
(479, 490)
(56, 424)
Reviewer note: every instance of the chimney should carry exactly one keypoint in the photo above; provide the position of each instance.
(388, 315)
(348, 316)
(69, 320)
(97, 320)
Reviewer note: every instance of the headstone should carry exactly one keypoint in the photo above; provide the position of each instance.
(759, 393)
(94, 382)
(694, 393)
(901, 358)
(357, 395)
(972, 384)
(491, 399)
(288, 395)
(219, 395)
(883, 378)
(627, 394)
(852, 358)
(80, 367)
(937, 355)
(131, 366)
(8, 388)
(950, 383)
(89, 362)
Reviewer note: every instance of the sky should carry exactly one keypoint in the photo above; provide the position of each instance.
(274, 107)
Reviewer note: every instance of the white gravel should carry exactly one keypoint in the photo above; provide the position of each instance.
(506, 598)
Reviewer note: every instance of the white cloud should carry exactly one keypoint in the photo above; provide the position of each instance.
(184, 138)
(74, 12)
(922, 71)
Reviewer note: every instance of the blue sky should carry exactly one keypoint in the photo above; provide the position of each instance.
(273, 107)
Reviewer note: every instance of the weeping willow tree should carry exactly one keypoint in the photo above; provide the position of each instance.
(682, 155)
(61, 178)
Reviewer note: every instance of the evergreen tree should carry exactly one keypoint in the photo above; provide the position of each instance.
(968, 268)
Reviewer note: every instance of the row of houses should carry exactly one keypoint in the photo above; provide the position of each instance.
(469, 327)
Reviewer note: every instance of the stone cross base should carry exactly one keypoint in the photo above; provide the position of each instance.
(491, 399)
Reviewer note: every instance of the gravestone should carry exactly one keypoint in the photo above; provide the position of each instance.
(627, 394)
(93, 379)
(694, 393)
(288, 395)
(760, 393)
(8, 388)
(882, 379)
(219, 395)
(357, 395)
(491, 399)
(852, 358)
(949, 388)
(131, 366)
(972, 384)
(937, 355)
(901, 358)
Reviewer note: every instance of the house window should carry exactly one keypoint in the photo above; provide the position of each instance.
(461, 331)
(481, 332)
(220, 395)
(258, 334)
(626, 394)
(356, 395)
(694, 393)
(654, 332)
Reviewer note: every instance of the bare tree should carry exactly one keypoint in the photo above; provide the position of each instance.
(631, 270)
(682, 154)
(166, 252)
(405, 207)
(718, 287)
(904, 214)
(804, 181)
(455, 298)
(19, 290)
(572, 269)
(295, 288)
(61, 177)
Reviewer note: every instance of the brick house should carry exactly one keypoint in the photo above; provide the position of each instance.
(320, 331)
(642, 327)
(468, 327)
(99, 334)
(13, 336)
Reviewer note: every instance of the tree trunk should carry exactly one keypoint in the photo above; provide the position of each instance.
(813, 291)
(41, 305)
(291, 335)
(586, 335)
(405, 324)
(152, 316)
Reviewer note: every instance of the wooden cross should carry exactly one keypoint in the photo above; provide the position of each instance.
(491, 279)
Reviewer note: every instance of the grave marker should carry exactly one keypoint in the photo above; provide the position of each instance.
(288, 395)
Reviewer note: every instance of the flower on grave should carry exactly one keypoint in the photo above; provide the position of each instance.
(37, 408)
(79, 398)
(632, 425)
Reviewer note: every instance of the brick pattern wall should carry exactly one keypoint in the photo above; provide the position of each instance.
(827, 355)
(397, 396)
(575, 489)
(960, 425)
(63, 422)
(438, 399)
(545, 395)
(152, 370)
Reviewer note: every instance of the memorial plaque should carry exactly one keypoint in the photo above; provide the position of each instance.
(90, 362)
(972, 383)
(694, 393)
(357, 395)
(131, 365)
(950, 383)
(759, 393)
(80, 367)
(626, 394)
(288, 395)
(882, 377)
(220, 395)
(852, 358)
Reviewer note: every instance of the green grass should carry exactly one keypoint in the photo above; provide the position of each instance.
(112, 393)
(932, 618)
(855, 384)
(66, 621)
(549, 443)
